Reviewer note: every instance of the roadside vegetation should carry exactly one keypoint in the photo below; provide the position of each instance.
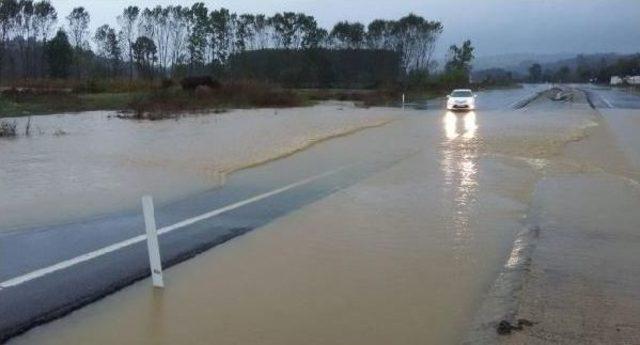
(585, 68)
(51, 63)
(8, 128)
(596, 68)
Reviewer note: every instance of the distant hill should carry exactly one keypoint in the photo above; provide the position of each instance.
(593, 60)
(517, 63)
(580, 66)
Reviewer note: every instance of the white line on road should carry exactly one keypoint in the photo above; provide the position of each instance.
(606, 101)
(524, 99)
(137, 239)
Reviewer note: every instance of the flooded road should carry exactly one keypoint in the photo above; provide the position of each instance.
(405, 255)
(78, 165)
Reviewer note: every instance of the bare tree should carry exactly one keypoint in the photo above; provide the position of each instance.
(25, 32)
(45, 16)
(128, 32)
(78, 21)
(178, 22)
(8, 21)
(197, 41)
(221, 35)
(109, 47)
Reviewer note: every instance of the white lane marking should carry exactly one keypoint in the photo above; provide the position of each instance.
(519, 101)
(525, 99)
(137, 239)
(606, 101)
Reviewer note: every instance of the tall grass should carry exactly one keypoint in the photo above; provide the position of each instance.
(8, 129)
(169, 102)
(80, 86)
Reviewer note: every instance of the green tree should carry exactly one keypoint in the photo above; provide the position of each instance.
(45, 16)
(128, 20)
(59, 55)
(348, 35)
(221, 34)
(78, 22)
(109, 47)
(144, 53)
(460, 58)
(285, 26)
(458, 66)
(244, 31)
(198, 18)
(535, 73)
(8, 15)
(315, 38)
(379, 34)
(414, 38)
(563, 75)
(583, 70)
(311, 36)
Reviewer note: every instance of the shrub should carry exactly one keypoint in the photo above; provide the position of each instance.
(203, 92)
(192, 83)
(166, 83)
(8, 129)
(114, 86)
(167, 103)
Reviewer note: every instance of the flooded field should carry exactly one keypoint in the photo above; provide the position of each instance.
(405, 256)
(79, 165)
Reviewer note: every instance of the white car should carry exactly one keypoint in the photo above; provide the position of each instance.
(461, 99)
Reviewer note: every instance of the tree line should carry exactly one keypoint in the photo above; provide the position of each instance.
(169, 41)
(586, 69)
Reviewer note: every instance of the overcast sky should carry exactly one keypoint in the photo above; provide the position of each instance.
(495, 26)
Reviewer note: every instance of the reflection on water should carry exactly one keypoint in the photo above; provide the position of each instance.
(460, 169)
(470, 125)
(451, 125)
(460, 124)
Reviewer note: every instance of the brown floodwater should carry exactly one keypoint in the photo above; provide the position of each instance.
(405, 256)
(79, 165)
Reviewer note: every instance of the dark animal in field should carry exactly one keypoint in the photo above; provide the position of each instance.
(505, 327)
(191, 83)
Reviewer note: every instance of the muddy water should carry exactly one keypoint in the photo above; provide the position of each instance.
(403, 257)
(79, 165)
(583, 281)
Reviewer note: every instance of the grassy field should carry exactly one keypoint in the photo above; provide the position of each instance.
(62, 103)
(158, 102)
(166, 102)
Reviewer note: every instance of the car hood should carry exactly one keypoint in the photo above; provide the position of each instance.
(461, 99)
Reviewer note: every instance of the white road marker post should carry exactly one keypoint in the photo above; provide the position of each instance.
(403, 101)
(152, 241)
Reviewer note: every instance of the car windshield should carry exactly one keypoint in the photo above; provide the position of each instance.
(461, 94)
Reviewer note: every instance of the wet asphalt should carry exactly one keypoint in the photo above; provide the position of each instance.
(54, 295)
(603, 97)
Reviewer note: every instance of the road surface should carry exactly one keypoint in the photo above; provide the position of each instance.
(604, 97)
(485, 164)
